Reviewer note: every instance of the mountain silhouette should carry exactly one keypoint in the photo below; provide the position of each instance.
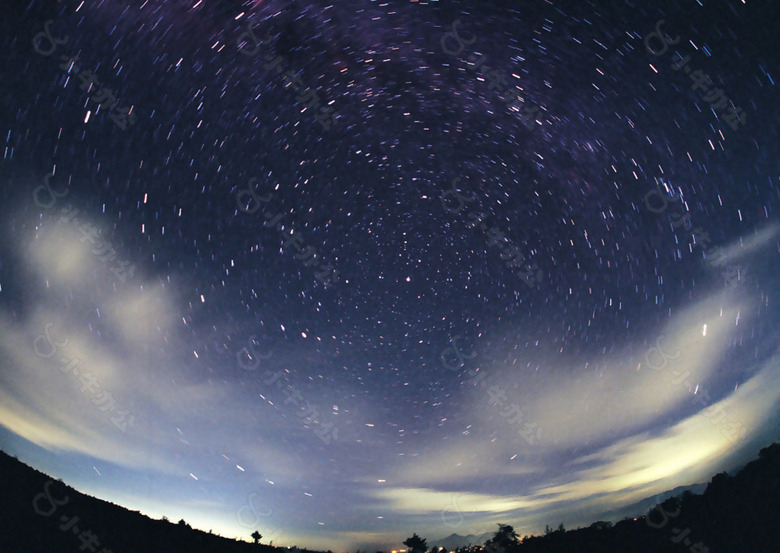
(734, 514)
(41, 514)
(642, 506)
(454, 541)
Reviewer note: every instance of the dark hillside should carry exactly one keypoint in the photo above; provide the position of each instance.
(34, 507)
(739, 514)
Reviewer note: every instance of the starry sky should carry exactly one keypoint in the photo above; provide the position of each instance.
(341, 272)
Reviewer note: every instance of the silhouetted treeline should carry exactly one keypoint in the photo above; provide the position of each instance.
(34, 517)
(739, 514)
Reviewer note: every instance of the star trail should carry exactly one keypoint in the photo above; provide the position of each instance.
(338, 272)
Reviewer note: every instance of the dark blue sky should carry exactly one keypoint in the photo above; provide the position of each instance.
(375, 268)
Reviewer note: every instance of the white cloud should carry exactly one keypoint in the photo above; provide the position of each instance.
(747, 245)
(425, 501)
(574, 407)
(59, 256)
(143, 316)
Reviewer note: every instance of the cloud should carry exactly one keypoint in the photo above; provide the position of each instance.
(425, 500)
(744, 246)
(459, 459)
(614, 419)
(639, 466)
(142, 316)
(112, 331)
(46, 405)
(624, 431)
(59, 256)
(574, 407)
(615, 476)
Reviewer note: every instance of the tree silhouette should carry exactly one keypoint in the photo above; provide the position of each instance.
(504, 538)
(735, 514)
(416, 544)
(549, 531)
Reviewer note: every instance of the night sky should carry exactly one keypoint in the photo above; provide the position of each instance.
(344, 272)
